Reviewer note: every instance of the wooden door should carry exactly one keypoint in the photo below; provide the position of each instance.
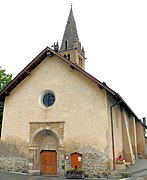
(76, 160)
(48, 161)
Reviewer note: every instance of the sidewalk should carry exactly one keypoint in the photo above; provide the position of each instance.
(140, 165)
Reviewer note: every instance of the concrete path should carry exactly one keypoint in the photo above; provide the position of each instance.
(139, 176)
(138, 170)
(140, 165)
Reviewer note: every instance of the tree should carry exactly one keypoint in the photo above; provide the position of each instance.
(4, 80)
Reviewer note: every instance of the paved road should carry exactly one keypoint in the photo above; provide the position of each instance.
(12, 176)
(139, 176)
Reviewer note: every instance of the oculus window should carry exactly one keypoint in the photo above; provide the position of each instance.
(47, 99)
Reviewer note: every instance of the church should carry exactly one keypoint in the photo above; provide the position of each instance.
(67, 118)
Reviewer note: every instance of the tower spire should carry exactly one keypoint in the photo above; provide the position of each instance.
(70, 42)
(70, 39)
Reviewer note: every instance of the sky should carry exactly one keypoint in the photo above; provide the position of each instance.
(113, 33)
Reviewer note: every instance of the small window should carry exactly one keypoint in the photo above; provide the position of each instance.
(65, 45)
(68, 57)
(65, 56)
(80, 62)
(47, 99)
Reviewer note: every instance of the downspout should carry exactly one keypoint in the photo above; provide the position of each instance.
(112, 131)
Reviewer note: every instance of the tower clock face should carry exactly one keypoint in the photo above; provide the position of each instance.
(145, 134)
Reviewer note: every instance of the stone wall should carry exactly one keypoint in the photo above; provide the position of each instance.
(14, 155)
(95, 163)
(14, 164)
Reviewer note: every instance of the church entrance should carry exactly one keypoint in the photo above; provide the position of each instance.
(46, 148)
(48, 162)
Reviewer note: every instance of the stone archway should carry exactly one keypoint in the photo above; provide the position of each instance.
(47, 137)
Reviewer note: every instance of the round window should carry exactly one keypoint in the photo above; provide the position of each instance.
(48, 99)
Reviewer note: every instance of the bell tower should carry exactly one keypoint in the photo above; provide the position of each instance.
(71, 46)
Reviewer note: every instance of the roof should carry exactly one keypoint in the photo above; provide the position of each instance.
(36, 61)
(48, 52)
(70, 38)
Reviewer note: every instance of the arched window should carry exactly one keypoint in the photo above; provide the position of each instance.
(80, 62)
(68, 57)
(65, 56)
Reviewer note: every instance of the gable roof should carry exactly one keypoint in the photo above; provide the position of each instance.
(36, 61)
(48, 52)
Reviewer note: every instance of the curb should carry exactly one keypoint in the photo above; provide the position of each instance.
(138, 171)
(12, 172)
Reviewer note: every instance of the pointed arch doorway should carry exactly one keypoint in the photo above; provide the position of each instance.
(46, 148)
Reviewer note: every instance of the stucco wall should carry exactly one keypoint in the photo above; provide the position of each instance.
(140, 139)
(117, 125)
(118, 131)
(79, 102)
(133, 135)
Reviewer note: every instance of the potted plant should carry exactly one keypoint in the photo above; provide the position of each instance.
(120, 163)
(74, 174)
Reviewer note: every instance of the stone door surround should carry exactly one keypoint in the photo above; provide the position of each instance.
(46, 136)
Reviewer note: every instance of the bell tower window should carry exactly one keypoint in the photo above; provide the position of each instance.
(68, 57)
(65, 45)
(80, 62)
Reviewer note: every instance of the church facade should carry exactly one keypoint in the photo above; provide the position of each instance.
(66, 117)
